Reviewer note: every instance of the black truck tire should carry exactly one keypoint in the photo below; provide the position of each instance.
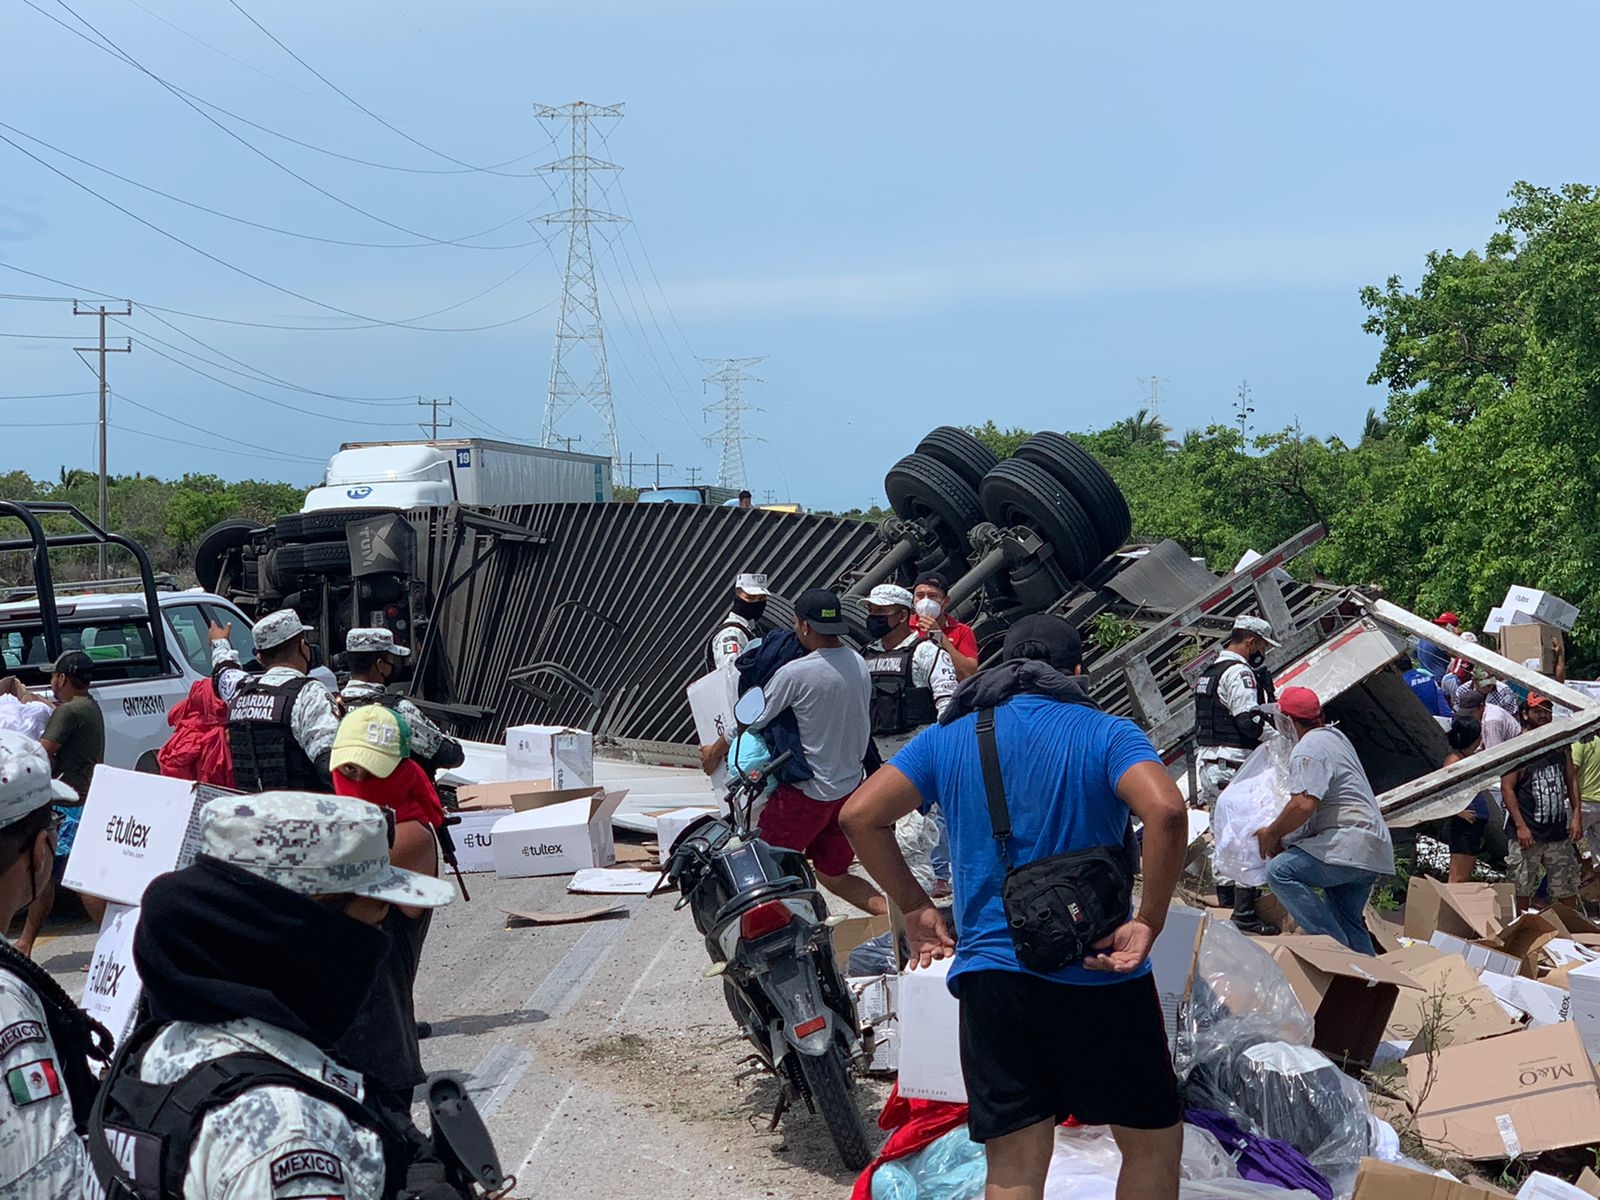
(827, 1079)
(919, 486)
(216, 545)
(320, 526)
(1019, 492)
(961, 452)
(1090, 483)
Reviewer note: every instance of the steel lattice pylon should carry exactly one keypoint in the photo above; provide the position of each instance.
(580, 323)
(730, 472)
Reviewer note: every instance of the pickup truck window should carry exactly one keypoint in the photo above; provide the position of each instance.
(191, 627)
(121, 647)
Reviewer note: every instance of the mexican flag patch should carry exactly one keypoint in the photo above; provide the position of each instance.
(33, 1081)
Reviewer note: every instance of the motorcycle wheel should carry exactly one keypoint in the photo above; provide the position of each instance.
(827, 1079)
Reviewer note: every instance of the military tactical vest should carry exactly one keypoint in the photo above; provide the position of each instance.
(1214, 725)
(897, 706)
(266, 756)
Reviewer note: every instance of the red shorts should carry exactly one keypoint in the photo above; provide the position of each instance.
(792, 820)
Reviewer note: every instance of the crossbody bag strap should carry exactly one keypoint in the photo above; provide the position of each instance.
(993, 785)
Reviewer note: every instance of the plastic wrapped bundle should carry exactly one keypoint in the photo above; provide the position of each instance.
(1235, 980)
(952, 1168)
(1251, 802)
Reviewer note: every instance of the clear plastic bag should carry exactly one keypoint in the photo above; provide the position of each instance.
(1235, 981)
(1251, 802)
(952, 1168)
(1288, 1092)
(1204, 1157)
(1237, 1189)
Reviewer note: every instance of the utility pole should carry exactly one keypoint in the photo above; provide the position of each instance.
(694, 476)
(432, 426)
(566, 442)
(580, 323)
(766, 496)
(1243, 410)
(732, 376)
(102, 350)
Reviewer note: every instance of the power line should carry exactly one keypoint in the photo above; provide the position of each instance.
(47, 396)
(580, 323)
(498, 432)
(261, 452)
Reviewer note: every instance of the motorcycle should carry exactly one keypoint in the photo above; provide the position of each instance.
(770, 939)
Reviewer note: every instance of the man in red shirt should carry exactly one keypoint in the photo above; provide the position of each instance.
(954, 637)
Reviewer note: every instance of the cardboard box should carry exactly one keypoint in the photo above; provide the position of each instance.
(1544, 607)
(135, 826)
(1532, 645)
(930, 1037)
(1386, 929)
(1583, 983)
(1480, 957)
(560, 833)
(112, 988)
(670, 826)
(1589, 1183)
(1464, 910)
(1386, 1181)
(1524, 1093)
(711, 701)
(563, 755)
(1467, 1009)
(1540, 1186)
(852, 932)
(1542, 1004)
(1172, 961)
(1350, 996)
(474, 838)
(877, 1006)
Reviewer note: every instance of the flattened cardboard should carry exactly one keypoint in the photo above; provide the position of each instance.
(519, 795)
(1349, 995)
(1386, 932)
(519, 917)
(1524, 1093)
(1463, 910)
(1467, 1009)
(852, 932)
(1386, 1181)
(1589, 1183)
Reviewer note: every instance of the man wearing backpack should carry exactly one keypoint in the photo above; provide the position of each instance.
(1085, 1038)
(45, 1039)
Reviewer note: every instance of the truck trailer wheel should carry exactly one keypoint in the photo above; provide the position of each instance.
(1019, 492)
(961, 452)
(919, 486)
(216, 546)
(1090, 483)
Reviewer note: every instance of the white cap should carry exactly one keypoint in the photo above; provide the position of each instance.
(275, 629)
(1256, 627)
(752, 584)
(890, 594)
(25, 783)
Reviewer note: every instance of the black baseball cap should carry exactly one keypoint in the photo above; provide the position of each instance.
(936, 578)
(76, 666)
(820, 609)
(1045, 638)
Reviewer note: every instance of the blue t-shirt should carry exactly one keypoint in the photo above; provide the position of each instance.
(1428, 692)
(1061, 764)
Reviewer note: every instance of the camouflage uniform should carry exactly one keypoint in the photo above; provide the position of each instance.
(41, 1153)
(426, 737)
(313, 721)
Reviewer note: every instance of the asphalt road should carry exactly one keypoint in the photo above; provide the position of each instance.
(604, 1063)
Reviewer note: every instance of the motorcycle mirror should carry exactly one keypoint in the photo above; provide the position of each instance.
(750, 706)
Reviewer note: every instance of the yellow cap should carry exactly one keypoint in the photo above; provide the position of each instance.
(374, 738)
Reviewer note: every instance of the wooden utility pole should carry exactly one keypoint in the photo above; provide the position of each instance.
(432, 426)
(102, 350)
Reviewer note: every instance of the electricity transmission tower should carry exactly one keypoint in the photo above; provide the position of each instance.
(730, 473)
(580, 327)
(1152, 392)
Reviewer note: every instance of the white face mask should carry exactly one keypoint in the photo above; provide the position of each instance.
(929, 608)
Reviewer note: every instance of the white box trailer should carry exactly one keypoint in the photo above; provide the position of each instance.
(477, 472)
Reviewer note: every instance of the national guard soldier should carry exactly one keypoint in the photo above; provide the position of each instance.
(738, 629)
(912, 678)
(370, 655)
(1228, 725)
(45, 1039)
(251, 958)
(281, 724)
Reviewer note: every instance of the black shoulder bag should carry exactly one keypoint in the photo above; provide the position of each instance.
(1057, 907)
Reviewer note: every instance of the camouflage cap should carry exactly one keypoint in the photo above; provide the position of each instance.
(275, 629)
(314, 845)
(373, 641)
(25, 783)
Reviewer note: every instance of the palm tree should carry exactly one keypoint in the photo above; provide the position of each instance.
(1144, 428)
(1376, 428)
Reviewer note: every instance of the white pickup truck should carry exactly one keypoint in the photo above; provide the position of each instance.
(141, 667)
(134, 690)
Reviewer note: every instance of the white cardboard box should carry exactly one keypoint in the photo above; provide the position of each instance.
(561, 832)
(930, 1036)
(1545, 607)
(1543, 1004)
(1172, 960)
(1481, 959)
(1584, 985)
(560, 754)
(711, 701)
(670, 826)
(135, 826)
(111, 993)
(474, 838)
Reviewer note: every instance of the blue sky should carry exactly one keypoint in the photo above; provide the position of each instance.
(919, 213)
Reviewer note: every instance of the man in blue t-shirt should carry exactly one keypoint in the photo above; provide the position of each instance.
(1087, 1040)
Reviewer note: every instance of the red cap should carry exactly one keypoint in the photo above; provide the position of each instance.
(1535, 700)
(1447, 618)
(1301, 703)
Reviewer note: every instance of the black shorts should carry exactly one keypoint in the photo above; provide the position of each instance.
(1466, 837)
(1033, 1050)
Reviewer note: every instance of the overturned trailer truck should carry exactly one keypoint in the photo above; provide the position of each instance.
(597, 614)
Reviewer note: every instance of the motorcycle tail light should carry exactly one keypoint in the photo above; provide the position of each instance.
(806, 1028)
(764, 919)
